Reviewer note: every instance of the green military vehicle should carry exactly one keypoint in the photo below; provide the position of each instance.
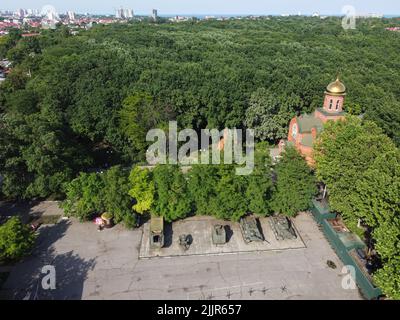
(250, 230)
(156, 232)
(282, 228)
(218, 235)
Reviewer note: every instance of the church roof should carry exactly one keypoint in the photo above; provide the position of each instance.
(331, 113)
(308, 140)
(308, 121)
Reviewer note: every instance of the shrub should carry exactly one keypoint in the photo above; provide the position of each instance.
(95, 193)
(16, 239)
(84, 196)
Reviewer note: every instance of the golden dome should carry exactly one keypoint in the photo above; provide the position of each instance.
(336, 88)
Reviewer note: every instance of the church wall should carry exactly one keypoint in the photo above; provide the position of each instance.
(336, 100)
(325, 118)
(290, 134)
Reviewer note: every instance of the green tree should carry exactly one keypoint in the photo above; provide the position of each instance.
(16, 239)
(387, 116)
(38, 155)
(84, 196)
(387, 237)
(377, 191)
(9, 41)
(202, 184)
(172, 199)
(295, 184)
(258, 193)
(29, 46)
(269, 115)
(142, 189)
(138, 115)
(115, 195)
(230, 202)
(344, 153)
(259, 183)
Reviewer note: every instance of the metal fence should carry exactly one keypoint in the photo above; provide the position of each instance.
(344, 244)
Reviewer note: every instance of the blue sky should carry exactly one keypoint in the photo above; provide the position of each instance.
(211, 6)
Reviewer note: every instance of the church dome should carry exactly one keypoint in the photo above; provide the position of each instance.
(336, 88)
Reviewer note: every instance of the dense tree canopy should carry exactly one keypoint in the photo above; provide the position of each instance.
(82, 93)
(269, 114)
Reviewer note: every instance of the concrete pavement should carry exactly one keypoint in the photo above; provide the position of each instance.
(106, 265)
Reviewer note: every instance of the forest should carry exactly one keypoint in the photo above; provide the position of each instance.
(78, 103)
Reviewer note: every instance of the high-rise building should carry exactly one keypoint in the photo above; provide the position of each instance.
(128, 13)
(71, 15)
(119, 13)
(124, 13)
(21, 13)
(154, 14)
(52, 16)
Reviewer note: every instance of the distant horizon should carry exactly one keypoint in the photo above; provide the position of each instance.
(211, 7)
(201, 14)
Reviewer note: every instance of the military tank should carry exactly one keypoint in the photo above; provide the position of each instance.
(282, 228)
(218, 234)
(250, 230)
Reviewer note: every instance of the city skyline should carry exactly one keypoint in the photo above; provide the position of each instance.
(221, 7)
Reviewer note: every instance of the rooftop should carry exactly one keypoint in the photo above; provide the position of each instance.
(308, 140)
(308, 121)
(157, 224)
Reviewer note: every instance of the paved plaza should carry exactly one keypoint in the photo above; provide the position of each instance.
(106, 265)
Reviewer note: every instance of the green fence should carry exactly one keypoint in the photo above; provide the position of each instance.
(321, 211)
(344, 243)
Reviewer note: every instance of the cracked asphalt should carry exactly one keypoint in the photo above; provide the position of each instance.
(105, 265)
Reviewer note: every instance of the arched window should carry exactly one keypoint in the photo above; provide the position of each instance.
(330, 104)
(337, 104)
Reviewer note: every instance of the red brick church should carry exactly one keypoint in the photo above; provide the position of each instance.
(304, 129)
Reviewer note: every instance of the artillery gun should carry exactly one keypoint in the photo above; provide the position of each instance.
(250, 229)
